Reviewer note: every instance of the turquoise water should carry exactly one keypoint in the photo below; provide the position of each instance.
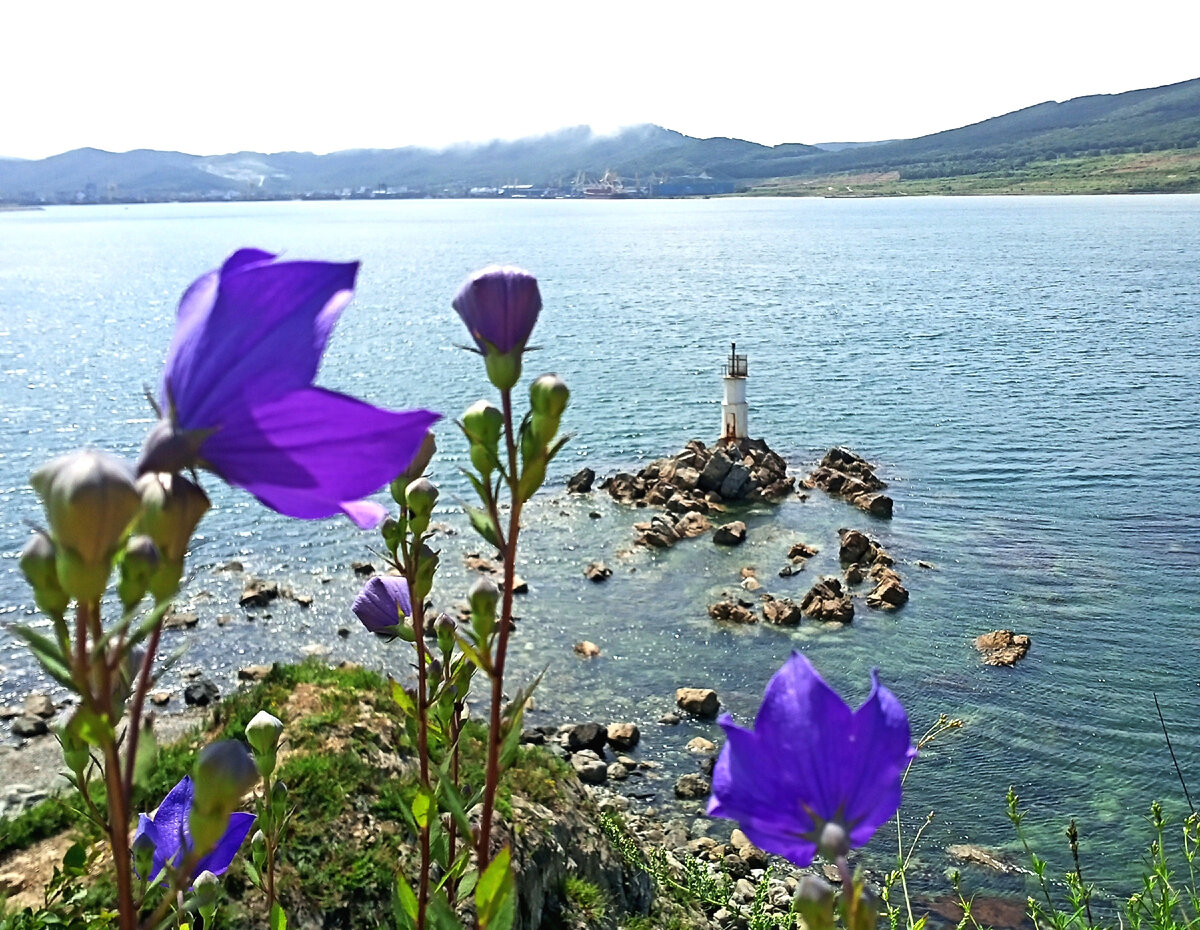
(1023, 369)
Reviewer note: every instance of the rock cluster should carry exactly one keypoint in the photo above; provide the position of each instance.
(1002, 647)
(583, 745)
(864, 557)
(848, 475)
(782, 611)
(827, 602)
(665, 529)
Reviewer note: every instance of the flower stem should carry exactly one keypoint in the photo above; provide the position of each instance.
(412, 556)
(492, 778)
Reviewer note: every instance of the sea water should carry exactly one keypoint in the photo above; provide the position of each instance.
(1023, 371)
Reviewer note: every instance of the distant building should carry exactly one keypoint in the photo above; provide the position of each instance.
(690, 187)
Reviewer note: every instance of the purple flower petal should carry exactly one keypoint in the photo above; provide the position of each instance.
(220, 857)
(383, 603)
(251, 332)
(810, 760)
(500, 307)
(313, 453)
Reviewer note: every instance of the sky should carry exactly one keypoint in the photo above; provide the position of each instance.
(222, 76)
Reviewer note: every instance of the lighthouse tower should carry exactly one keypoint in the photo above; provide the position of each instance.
(734, 411)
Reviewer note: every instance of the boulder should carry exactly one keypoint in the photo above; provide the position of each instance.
(591, 771)
(254, 672)
(729, 611)
(731, 534)
(700, 744)
(750, 854)
(801, 551)
(1002, 647)
(581, 481)
(591, 736)
(715, 471)
(362, 568)
(258, 593)
(686, 479)
(38, 704)
(702, 702)
(623, 736)
(888, 593)
(692, 524)
(826, 601)
(201, 693)
(586, 649)
(854, 546)
(736, 482)
(692, 787)
(781, 611)
(27, 725)
(597, 572)
(877, 505)
(160, 698)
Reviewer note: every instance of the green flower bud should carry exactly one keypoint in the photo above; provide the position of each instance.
(548, 396)
(258, 849)
(139, 562)
(223, 773)
(75, 751)
(262, 733)
(172, 507)
(38, 565)
(483, 597)
(814, 900)
(421, 495)
(426, 568)
(483, 423)
(207, 889)
(416, 468)
(90, 500)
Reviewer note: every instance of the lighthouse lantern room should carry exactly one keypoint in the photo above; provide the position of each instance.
(734, 411)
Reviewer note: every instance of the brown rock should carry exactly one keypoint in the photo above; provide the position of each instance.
(729, 611)
(691, 787)
(802, 551)
(476, 563)
(597, 572)
(781, 611)
(254, 672)
(581, 481)
(586, 649)
(258, 593)
(182, 621)
(826, 601)
(731, 534)
(1002, 647)
(702, 702)
(623, 736)
(854, 546)
(691, 525)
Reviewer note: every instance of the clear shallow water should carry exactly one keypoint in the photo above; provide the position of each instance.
(1023, 369)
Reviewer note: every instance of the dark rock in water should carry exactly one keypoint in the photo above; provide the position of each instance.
(733, 485)
(597, 571)
(182, 621)
(1002, 647)
(623, 736)
(692, 524)
(715, 471)
(848, 475)
(888, 593)
(801, 551)
(587, 736)
(702, 702)
(854, 573)
(233, 566)
(362, 568)
(792, 568)
(691, 787)
(826, 601)
(258, 593)
(855, 546)
(27, 726)
(201, 693)
(38, 704)
(581, 481)
(731, 534)
(781, 611)
(732, 612)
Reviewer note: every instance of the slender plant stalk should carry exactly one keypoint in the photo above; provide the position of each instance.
(412, 556)
(138, 702)
(492, 778)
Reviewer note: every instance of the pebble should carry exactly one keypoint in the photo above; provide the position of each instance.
(160, 698)
(700, 744)
(617, 772)
(669, 720)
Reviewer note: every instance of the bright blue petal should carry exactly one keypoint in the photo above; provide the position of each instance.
(221, 856)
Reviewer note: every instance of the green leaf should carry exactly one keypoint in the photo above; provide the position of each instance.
(452, 800)
(278, 917)
(94, 729)
(146, 627)
(483, 525)
(404, 905)
(75, 859)
(147, 755)
(253, 873)
(402, 698)
(473, 654)
(495, 895)
(440, 914)
(421, 805)
(48, 654)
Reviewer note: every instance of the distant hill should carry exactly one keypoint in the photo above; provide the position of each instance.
(1153, 119)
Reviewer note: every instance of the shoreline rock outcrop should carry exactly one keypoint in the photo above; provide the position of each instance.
(1003, 647)
(845, 474)
(865, 557)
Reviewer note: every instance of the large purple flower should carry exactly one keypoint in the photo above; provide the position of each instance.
(238, 395)
(167, 832)
(810, 760)
(500, 307)
(383, 604)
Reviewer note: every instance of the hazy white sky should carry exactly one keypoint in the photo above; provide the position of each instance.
(229, 75)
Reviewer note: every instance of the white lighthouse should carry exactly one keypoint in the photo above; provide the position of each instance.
(734, 411)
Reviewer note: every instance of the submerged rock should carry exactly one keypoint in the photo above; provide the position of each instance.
(581, 481)
(597, 572)
(730, 534)
(1003, 647)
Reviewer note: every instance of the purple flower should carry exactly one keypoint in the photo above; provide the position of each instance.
(238, 395)
(810, 760)
(166, 832)
(500, 307)
(383, 604)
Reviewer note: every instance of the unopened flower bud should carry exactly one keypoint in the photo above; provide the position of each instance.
(421, 495)
(434, 670)
(139, 562)
(207, 889)
(258, 849)
(172, 507)
(75, 751)
(416, 468)
(548, 397)
(483, 596)
(833, 843)
(38, 565)
(90, 501)
(444, 625)
(482, 423)
(223, 773)
(815, 900)
(427, 563)
(865, 914)
(262, 733)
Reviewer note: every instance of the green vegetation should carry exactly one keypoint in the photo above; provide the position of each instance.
(1176, 171)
